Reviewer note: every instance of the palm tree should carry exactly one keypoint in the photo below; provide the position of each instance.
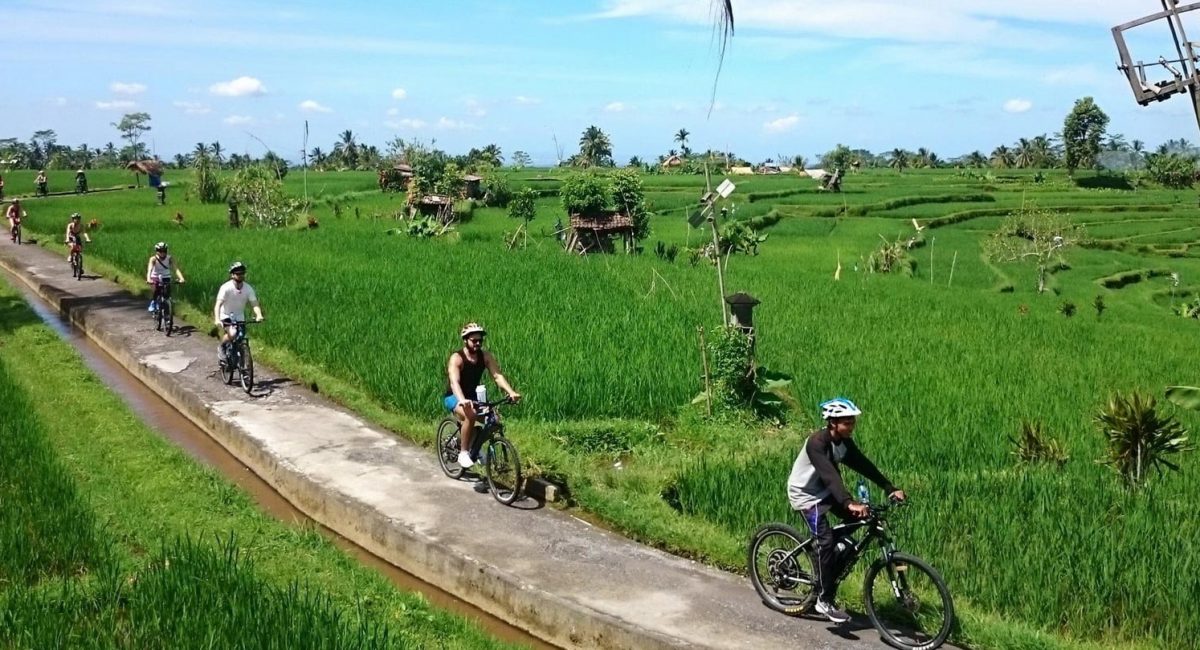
(491, 155)
(976, 159)
(201, 150)
(181, 161)
(216, 150)
(1002, 157)
(594, 147)
(1023, 154)
(318, 158)
(898, 159)
(681, 137)
(346, 149)
(1043, 152)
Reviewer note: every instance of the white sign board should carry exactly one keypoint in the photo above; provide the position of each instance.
(725, 188)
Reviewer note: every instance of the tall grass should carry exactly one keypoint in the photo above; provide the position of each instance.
(946, 370)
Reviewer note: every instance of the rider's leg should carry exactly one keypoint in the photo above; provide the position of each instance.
(826, 562)
(465, 412)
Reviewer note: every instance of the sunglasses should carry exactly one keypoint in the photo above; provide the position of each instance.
(475, 339)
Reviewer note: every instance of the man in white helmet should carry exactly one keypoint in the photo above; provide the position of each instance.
(815, 488)
(230, 308)
(464, 373)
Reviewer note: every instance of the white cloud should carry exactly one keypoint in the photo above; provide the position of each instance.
(56, 101)
(311, 106)
(235, 120)
(526, 101)
(453, 125)
(474, 108)
(240, 87)
(116, 105)
(405, 123)
(399, 93)
(1017, 105)
(192, 108)
(615, 107)
(393, 112)
(782, 124)
(122, 88)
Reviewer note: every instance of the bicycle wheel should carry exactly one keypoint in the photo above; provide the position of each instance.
(782, 568)
(168, 316)
(229, 365)
(246, 368)
(158, 316)
(79, 266)
(503, 470)
(18, 234)
(908, 603)
(447, 447)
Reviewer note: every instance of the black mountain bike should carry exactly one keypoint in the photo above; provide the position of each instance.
(238, 360)
(489, 447)
(906, 599)
(164, 306)
(15, 232)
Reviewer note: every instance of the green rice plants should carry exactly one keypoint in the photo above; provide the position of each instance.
(1099, 305)
(1067, 308)
(1139, 438)
(1033, 445)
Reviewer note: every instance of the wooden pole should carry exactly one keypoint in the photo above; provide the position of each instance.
(707, 381)
(720, 273)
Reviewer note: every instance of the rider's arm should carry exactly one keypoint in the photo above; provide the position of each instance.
(253, 298)
(453, 371)
(149, 268)
(817, 449)
(217, 306)
(858, 461)
(493, 367)
(178, 271)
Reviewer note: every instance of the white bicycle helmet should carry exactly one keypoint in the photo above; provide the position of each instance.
(472, 328)
(160, 246)
(839, 407)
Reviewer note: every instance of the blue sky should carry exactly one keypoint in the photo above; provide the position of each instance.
(799, 77)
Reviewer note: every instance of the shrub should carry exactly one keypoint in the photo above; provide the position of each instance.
(585, 193)
(1139, 438)
(1035, 446)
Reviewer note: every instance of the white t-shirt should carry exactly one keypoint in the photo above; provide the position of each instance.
(161, 269)
(232, 301)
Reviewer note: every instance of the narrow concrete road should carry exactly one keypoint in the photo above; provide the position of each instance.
(562, 579)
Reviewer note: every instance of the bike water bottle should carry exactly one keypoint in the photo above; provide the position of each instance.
(481, 393)
(864, 495)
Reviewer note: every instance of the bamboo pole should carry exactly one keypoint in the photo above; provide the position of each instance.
(707, 381)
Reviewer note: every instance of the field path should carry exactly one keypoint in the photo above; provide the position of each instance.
(541, 569)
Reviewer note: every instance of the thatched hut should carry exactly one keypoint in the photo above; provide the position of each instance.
(598, 233)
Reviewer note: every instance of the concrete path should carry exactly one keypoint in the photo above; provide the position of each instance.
(541, 569)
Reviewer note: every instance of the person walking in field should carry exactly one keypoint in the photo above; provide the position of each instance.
(40, 182)
(230, 308)
(815, 488)
(464, 372)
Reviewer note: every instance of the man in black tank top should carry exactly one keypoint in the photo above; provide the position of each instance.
(464, 373)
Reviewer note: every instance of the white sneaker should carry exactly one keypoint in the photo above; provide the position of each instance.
(464, 459)
(831, 612)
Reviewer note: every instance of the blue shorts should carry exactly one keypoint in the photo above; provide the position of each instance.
(450, 402)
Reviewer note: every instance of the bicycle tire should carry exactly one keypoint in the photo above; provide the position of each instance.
(448, 446)
(18, 235)
(503, 470)
(895, 619)
(784, 578)
(169, 317)
(158, 316)
(229, 366)
(246, 369)
(79, 266)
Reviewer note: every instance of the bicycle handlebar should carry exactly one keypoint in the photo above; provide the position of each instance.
(506, 400)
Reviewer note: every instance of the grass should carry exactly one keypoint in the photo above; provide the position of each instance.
(113, 538)
(605, 351)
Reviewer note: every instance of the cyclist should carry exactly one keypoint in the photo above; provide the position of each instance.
(464, 371)
(230, 308)
(81, 181)
(75, 235)
(14, 214)
(40, 181)
(159, 268)
(815, 488)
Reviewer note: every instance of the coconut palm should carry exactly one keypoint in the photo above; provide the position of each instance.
(1002, 157)
(217, 152)
(346, 149)
(201, 150)
(594, 147)
(681, 137)
(491, 155)
(898, 159)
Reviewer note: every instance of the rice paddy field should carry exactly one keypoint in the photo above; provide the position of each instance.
(946, 364)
